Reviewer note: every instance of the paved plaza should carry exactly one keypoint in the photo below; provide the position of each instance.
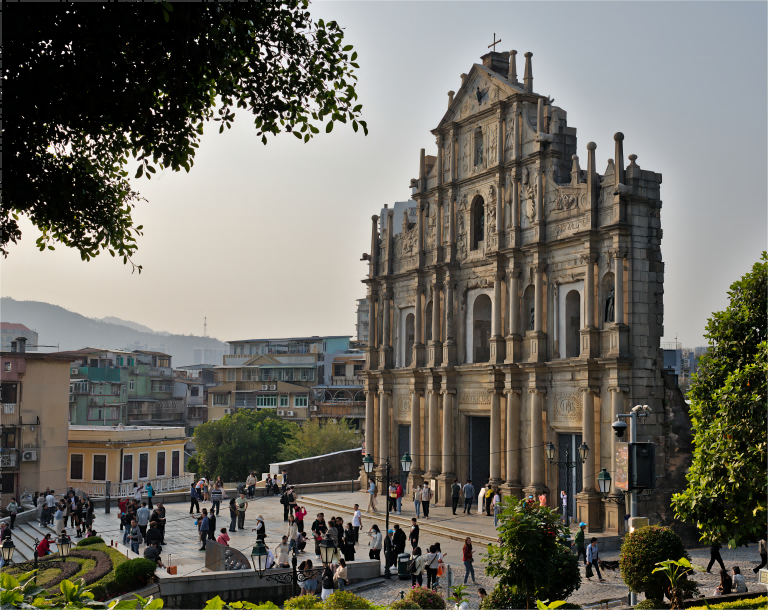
(182, 543)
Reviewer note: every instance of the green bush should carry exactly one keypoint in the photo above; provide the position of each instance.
(641, 551)
(652, 604)
(346, 600)
(135, 573)
(91, 540)
(404, 604)
(303, 602)
(503, 596)
(746, 604)
(425, 598)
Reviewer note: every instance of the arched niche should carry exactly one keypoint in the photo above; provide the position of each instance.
(476, 222)
(529, 300)
(572, 324)
(409, 337)
(428, 322)
(606, 313)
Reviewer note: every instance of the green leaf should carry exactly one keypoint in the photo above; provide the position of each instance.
(214, 604)
(349, 47)
(140, 171)
(329, 127)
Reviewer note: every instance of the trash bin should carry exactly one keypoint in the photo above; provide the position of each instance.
(403, 559)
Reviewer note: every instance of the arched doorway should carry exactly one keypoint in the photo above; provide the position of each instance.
(481, 329)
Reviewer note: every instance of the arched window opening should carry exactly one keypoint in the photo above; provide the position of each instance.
(428, 322)
(607, 308)
(529, 302)
(572, 324)
(478, 222)
(478, 147)
(409, 338)
(481, 329)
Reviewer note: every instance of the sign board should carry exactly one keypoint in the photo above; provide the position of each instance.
(622, 467)
(637, 523)
(764, 577)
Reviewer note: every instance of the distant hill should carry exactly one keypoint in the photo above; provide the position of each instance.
(70, 330)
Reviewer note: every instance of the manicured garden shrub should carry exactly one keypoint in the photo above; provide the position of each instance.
(641, 551)
(745, 604)
(91, 540)
(404, 604)
(135, 573)
(346, 600)
(425, 598)
(303, 602)
(652, 604)
(503, 596)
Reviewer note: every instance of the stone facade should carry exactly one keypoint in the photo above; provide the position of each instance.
(526, 301)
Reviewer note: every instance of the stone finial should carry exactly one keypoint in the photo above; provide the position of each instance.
(528, 75)
(540, 115)
(512, 76)
(619, 169)
(632, 159)
(463, 79)
(450, 98)
(575, 170)
(422, 170)
(592, 186)
(374, 218)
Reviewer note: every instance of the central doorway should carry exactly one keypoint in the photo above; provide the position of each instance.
(403, 446)
(569, 479)
(479, 456)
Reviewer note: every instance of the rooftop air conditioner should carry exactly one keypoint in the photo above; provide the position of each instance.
(227, 411)
(313, 408)
(273, 387)
(29, 456)
(74, 371)
(281, 412)
(264, 386)
(290, 413)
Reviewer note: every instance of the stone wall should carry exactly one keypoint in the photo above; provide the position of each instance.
(338, 466)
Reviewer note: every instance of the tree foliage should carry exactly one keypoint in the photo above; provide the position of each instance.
(726, 493)
(531, 557)
(641, 551)
(315, 438)
(90, 86)
(235, 445)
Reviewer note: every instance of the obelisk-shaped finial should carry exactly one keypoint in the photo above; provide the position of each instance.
(528, 76)
(512, 76)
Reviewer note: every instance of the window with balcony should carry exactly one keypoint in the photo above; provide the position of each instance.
(99, 467)
(299, 401)
(76, 466)
(283, 401)
(143, 465)
(221, 400)
(266, 400)
(161, 463)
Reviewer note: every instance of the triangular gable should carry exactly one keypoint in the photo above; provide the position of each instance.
(492, 86)
(261, 359)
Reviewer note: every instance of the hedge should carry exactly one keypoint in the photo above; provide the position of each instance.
(746, 604)
(91, 540)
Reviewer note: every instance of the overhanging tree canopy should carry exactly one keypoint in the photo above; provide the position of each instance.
(726, 494)
(88, 86)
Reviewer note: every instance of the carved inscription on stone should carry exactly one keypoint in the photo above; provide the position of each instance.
(474, 398)
(404, 407)
(568, 407)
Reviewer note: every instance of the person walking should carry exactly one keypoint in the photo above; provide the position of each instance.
(488, 499)
(216, 496)
(340, 577)
(392, 497)
(13, 509)
(150, 492)
(440, 563)
(564, 502)
(467, 555)
(431, 560)
(469, 495)
(260, 529)
(399, 539)
(496, 506)
(761, 549)
(134, 536)
(455, 495)
(417, 500)
(202, 529)
(372, 493)
(193, 501)
(242, 506)
(593, 558)
(581, 549)
(714, 556)
(390, 554)
(292, 532)
(357, 523)
(375, 543)
(416, 567)
(426, 496)
(413, 536)
(399, 498)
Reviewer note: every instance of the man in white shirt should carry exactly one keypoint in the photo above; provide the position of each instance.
(50, 503)
(426, 496)
(357, 522)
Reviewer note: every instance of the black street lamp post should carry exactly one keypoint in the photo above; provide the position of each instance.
(405, 464)
(568, 465)
(260, 553)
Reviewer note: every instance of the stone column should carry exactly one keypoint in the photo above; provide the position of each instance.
(451, 223)
(374, 258)
(590, 340)
(370, 423)
(528, 74)
(439, 224)
(417, 359)
(436, 346)
(518, 132)
(495, 438)
(538, 318)
(420, 229)
(500, 211)
(536, 443)
(588, 436)
(515, 200)
(616, 408)
(384, 398)
(434, 431)
(390, 243)
(449, 347)
(448, 444)
(618, 303)
(439, 159)
(416, 466)
(513, 442)
(614, 513)
(385, 358)
(514, 339)
(497, 339)
(540, 200)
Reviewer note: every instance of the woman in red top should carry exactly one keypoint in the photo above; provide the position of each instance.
(44, 548)
(299, 515)
(467, 555)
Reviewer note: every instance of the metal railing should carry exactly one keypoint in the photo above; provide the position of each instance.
(161, 485)
(347, 381)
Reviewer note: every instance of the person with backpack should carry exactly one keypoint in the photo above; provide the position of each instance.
(416, 567)
(327, 581)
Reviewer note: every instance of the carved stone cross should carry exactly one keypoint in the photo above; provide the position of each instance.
(495, 42)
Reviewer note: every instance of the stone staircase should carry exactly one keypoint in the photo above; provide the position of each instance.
(25, 535)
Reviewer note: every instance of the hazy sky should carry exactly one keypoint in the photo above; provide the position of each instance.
(265, 240)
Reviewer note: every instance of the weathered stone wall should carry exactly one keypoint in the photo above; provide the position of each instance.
(339, 466)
